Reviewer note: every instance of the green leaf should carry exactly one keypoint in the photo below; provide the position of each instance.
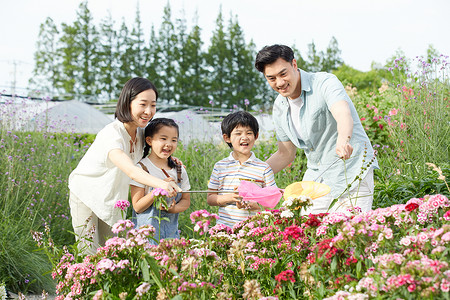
(144, 268)
(155, 271)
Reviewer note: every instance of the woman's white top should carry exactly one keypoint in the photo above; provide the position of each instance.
(99, 183)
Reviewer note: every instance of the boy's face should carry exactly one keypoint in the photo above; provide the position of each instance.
(242, 139)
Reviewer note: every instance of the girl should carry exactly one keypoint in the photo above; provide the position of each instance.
(161, 135)
(103, 175)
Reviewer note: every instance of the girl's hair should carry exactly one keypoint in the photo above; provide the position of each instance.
(153, 127)
(130, 90)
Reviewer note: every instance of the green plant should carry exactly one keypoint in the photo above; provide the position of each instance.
(400, 188)
(418, 123)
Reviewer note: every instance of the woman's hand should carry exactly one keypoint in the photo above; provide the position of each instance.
(177, 161)
(171, 187)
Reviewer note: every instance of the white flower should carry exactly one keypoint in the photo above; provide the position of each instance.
(287, 214)
(2, 291)
(288, 202)
(196, 228)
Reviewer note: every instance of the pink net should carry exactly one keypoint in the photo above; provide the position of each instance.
(268, 196)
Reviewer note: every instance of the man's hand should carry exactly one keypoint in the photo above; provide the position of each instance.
(343, 149)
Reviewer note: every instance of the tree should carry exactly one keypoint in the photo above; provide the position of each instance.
(167, 57)
(331, 59)
(137, 47)
(124, 56)
(107, 58)
(86, 40)
(244, 79)
(301, 63)
(217, 59)
(47, 72)
(152, 62)
(69, 51)
(314, 58)
(191, 75)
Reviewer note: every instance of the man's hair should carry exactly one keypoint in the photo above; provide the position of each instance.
(130, 90)
(270, 54)
(239, 118)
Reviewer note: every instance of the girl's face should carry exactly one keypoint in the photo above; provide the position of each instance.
(143, 108)
(164, 142)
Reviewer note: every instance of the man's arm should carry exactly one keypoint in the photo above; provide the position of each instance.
(341, 113)
(285, 155)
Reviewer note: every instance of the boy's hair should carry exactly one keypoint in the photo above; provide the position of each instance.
(270, 54)
(239, 118)
(152, 128)
(130, 90)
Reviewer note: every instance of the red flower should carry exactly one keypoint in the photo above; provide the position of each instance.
(313, 221)
(287, 275)
(293, 231)
(411, 206)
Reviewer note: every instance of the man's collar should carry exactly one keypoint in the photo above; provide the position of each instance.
(305, 78)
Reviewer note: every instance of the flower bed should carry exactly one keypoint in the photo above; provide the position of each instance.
(398, 252)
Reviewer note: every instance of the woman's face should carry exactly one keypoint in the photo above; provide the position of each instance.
(143, 108)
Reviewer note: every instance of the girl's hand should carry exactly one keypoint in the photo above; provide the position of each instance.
(171, 208)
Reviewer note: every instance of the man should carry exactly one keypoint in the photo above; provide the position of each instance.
(313, 112)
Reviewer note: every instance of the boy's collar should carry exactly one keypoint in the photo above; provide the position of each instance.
(251, 158)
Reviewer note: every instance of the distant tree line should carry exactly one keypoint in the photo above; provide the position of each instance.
(89, 60)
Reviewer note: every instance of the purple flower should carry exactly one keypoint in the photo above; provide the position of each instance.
(246, 102)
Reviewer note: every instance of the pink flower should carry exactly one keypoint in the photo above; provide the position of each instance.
(447, 216)
(393, 112)
(122, 204)
(445, 285)
(160, 192)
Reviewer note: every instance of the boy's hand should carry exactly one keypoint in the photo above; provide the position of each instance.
(247, 205)
(229, 199)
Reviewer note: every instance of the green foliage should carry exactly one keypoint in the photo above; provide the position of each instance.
(398, 188)
(33, 178)
(372, 109)
(418, 123)
(363, 81)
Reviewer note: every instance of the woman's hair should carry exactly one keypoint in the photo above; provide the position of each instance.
(130, 90)
(269, 54)
(153, 127)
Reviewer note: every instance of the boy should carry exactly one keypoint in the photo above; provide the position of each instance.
(239, 131)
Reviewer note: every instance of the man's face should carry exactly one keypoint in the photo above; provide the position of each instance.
(284, 77)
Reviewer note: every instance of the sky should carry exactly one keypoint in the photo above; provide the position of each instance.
(367, 31)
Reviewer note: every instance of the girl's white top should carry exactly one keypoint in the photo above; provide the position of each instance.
(157, 172)
(99, 183)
